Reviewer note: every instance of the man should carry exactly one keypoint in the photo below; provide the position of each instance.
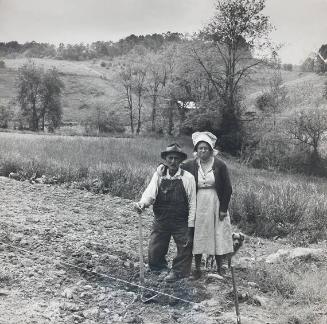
(173, 196)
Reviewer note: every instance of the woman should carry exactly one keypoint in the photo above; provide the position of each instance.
(212, 231)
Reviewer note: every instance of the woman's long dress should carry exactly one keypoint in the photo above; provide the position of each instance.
(211, 236)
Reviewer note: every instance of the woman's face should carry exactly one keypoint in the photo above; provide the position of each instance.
(203, 151)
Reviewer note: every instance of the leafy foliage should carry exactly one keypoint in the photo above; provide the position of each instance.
(234, 31)
(39, 96)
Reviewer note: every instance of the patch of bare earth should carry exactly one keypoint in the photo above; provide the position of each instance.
(55, 239)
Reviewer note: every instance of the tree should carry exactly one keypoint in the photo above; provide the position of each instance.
(139, 89)
(273, 100)
(125, 78)
(6, 116)
(50, 93)
(324, 92)
(103, 119)
(237, 28)
(29, 88)
(308, 65)
(156, 81)
(39, 96)
(309, 128)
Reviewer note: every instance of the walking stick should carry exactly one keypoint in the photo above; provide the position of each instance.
(237, 309)
(147, 299)
(141, 248)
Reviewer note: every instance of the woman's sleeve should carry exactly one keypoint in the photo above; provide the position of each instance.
(227, 189)
(150, 193)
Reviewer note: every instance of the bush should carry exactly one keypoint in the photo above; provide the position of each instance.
(103, 64)
(6, 116)
(264, 101)
(324, 93)
(203, 121)
(280, 208)
(2, 64)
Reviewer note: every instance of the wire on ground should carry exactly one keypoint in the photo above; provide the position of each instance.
(102, 274)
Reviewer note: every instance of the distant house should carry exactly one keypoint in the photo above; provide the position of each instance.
(187, 104)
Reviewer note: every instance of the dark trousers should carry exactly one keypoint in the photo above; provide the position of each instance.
(162, 231)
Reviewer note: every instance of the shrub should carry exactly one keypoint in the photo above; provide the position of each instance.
(279, 208)
(2, 64)
(6, 116)
(103, 64)
(264, 101)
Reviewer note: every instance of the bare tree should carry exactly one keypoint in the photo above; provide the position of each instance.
(309, 127)
(125, 77)
(156, 80)
(140, 89)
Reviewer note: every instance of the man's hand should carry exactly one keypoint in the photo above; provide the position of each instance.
(138, 207)
(222, 215)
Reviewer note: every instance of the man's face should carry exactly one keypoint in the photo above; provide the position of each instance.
(173, 161)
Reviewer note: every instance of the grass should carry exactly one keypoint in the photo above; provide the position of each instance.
(272, 204)
(300, 289)
(267, 204)
(122, 166)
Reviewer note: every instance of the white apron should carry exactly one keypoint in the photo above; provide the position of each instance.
(211, 236)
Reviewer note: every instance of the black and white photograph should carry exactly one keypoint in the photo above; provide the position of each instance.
(163, 161)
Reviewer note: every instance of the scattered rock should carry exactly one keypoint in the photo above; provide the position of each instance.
(133, 319)
(299, 252)
(91, 312)
(68, 293)
(211, 303)
(215, 276)
(253, 284)
(15, 176)
(4, 292)
(260, 300)
(69, 307)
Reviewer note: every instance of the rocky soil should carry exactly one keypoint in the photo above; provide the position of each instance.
(62, 249)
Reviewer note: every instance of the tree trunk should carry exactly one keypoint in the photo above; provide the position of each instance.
(130, 107)
(171, 117)
(139, 106)
(154, 112)
(35, 122)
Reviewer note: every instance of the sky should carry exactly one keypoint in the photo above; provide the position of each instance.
(301, 25)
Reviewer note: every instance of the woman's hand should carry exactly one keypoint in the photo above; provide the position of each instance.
(222, 215)
(190, 236)
(161, 169)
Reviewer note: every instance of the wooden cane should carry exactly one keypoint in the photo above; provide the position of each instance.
(141, 249)
(237, 309)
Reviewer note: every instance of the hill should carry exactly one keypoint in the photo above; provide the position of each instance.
(87, 82)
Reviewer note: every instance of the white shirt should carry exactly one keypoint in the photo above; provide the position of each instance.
(150, 193)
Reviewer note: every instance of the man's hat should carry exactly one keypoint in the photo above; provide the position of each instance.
(174, 148)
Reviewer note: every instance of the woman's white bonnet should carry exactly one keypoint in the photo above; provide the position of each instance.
(204, 137)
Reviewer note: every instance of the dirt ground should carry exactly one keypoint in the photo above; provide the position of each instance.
(55, 239)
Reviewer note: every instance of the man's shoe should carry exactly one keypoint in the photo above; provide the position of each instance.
(173, 276)
(196, 274)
